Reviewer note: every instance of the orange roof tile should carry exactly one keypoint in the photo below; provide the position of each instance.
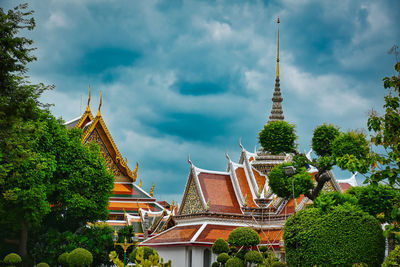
(130, 206)
(289, 208)
(244, 187)
(260, 179)
(218, 189)
(121, 189)
(174, 235)
(344, 186)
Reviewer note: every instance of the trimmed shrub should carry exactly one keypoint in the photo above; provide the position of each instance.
(63, 259)
(253, 256)
(263, 248)
(240, 254)
(42, 264)
(12, 258)
(334, 238)
(220, 246)
(322, 139)
(270, 258)
(234, 262)
(278, 264)
(215, 264)
(223, 257)
(393, 259)
(281, 183)
(243, 236)
(80, 257)
(278, 137)
(147, 252)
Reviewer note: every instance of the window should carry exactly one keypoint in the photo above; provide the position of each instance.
(189, 258)
(206, 258)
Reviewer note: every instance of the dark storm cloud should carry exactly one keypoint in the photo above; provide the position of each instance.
(192, 77)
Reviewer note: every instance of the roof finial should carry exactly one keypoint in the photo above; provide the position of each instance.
(88, 102)
(277, 58)
(276, 111)
(101, 102)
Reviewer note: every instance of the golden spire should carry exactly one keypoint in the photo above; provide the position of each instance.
(140, 183)
(152, 190)
(88, 102)
(101, 101)
(277, 59)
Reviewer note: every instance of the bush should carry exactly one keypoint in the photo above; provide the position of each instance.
(263, 248)
(215, 264)
(243, 236)
(253, 257)
(42, 264)
(278, 137)
(12, 258)
(147, 252)
(322, 139)
(281, 183)
(234, 262)
(334, 238)
(80, 257)
(223, 258)
(220, 246)
(278, 264)
(393, 259)
(63, 259)
(270, 258)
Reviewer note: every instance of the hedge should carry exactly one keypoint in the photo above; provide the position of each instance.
(80, 257)
(341, 237)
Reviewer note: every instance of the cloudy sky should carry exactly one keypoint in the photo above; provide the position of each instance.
(192, 77)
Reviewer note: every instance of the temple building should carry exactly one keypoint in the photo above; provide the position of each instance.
(216, 202)
(129, 204)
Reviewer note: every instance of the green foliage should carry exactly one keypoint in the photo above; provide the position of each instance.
(80, 257)
(223, 257)
(269, 258)
(253, 256)
(327, 201)
(147, 252)
(234, 262)
(42, 264)
(151, 260)
(278, 137)
(334, 238)
(322, 139)
(63, 259)
(377, 200)
(263, 248)
(215, 264)
(220, 246)
(12, 258)
(278, 264)
(351, 150)
(281, 184)
(243, 236)
(393, 259)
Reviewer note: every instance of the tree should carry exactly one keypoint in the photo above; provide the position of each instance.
(278, 137)
(44, 168)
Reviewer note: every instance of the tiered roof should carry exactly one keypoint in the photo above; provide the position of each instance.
(126, 198)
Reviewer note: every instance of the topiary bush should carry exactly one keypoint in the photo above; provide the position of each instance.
(223, 258)
(269, 258)
(79, 257)
(215, 264)
(393, 259)
(243, 236)
(220, 246)
(234, 262)
(278, 264)
(278, 137)
(253, 256)
(147, 252)
(42, 264)
(63, 259)
(322, 139)
(281, 183)
(11, 259)
(263, 248)
(335, 238)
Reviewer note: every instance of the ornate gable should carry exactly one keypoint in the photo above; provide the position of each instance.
(191, 202)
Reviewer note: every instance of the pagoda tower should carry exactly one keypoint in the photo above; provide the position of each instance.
(265, 161)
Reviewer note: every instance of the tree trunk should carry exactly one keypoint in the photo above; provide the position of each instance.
(391, 242)
(321, 178)
(23, 239)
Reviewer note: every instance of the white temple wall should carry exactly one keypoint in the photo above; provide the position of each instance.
(189, 256)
